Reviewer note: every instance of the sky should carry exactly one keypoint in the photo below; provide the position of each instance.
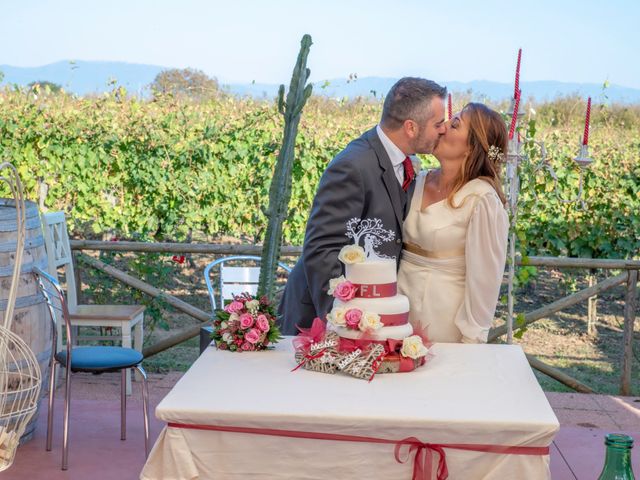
(587, 41)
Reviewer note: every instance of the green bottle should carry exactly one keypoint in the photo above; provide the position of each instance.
(617, 463)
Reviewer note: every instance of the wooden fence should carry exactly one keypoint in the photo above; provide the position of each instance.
(629, 276)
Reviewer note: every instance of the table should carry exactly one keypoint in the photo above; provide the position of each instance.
(479, 394)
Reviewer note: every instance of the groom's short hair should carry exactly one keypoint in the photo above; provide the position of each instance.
(410, 99)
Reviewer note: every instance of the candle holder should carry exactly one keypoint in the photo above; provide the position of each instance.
(583, 158)
(530, 157)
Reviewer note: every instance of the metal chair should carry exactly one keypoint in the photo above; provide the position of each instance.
(95, 359)
(235, 280)
(128, 318)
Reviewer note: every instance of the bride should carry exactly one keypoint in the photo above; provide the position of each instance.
(456, 231)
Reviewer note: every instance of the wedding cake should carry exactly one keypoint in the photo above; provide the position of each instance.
(368, 329)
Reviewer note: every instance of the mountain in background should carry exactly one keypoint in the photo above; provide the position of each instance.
(84, 78)
(87, 77)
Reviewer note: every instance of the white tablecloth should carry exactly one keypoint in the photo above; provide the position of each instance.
(480, 394)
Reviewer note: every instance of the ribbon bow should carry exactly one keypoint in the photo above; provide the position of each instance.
(309, 336)
(349, 345)
(423, 459)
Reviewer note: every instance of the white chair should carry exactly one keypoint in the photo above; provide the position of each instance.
(128, 318)
(235, 280)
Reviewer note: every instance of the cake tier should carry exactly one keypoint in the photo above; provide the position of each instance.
(398, 333)
(372, 272)
(393, 310)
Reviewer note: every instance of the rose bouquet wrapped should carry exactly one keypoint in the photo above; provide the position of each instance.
(246, 324)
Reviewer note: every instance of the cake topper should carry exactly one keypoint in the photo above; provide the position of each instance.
(374, 235)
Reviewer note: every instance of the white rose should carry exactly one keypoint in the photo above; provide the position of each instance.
(223, 325)
(370, 321)
(227, 337)
(234, 317)
(252, 305)
(334, 282)
(336, 317)
(413, 347)
(352, 254)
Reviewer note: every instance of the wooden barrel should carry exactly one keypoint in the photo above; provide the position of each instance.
(31, 320)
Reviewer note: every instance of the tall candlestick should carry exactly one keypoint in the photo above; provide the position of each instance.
(517, 85)
(514, 115)
(585, 138)
(449, 108)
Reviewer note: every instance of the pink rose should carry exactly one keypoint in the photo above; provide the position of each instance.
(352, 318)
(234, 307)
(246, 346)
(252, 336)
(345, 291)
(246, 320)
(262, 323)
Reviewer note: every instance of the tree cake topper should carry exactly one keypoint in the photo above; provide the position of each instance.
(373, 234)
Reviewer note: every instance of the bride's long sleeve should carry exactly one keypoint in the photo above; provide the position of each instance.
(485, 256)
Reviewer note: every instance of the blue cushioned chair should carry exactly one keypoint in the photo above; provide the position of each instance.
(99, 359)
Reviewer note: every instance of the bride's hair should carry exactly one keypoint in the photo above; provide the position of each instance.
(486, 129)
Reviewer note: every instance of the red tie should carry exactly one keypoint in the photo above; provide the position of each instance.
(409, 173)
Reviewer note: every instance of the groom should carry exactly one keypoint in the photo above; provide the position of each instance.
(370, 178)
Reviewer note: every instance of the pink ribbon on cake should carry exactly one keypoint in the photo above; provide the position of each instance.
(422, 451)
(376, 290)
(394, 319)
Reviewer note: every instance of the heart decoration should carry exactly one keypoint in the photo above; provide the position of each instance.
(320, 356)
(362, 363)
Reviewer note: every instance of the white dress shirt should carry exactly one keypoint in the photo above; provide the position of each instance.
(395, 154)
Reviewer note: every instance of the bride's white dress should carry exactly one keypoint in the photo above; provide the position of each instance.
(453, 262)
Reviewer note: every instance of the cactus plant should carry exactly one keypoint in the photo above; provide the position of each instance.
(280, 189)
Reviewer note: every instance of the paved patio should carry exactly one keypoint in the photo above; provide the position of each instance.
(97, 453)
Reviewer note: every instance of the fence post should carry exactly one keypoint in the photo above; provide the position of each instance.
(592, 313)
(627, 342)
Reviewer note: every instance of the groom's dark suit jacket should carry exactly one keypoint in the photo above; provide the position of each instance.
(358, 183)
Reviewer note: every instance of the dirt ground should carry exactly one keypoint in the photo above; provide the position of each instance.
(560, 340)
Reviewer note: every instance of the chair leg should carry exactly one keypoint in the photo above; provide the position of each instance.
(126, 342)
(145, 408)
(123, 403)
(52, 386)
(65, 426)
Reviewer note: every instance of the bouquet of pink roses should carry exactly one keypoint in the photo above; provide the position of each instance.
(246, 324)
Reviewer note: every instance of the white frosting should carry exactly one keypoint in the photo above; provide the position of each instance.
(399, 333)
(381, 306)
(372, 272)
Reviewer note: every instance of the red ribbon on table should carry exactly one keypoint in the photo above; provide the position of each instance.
(423, 452)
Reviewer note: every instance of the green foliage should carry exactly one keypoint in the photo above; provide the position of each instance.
(152, 268)
(159, 170)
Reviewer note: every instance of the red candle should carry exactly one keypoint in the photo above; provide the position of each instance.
(585, 138)
(517, 85)
(449, 108)
(514, 115)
